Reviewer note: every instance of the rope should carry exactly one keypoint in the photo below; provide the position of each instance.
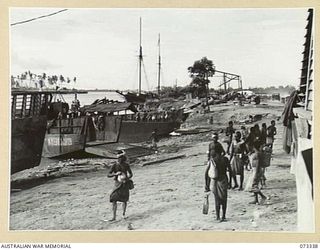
(145, 74)
(135, 76)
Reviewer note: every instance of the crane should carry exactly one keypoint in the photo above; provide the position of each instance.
(228, 77)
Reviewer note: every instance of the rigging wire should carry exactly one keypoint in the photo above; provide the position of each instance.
(145, 75)
(135, 76)
(36, 18)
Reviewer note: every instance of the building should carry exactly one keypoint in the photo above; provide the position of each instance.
(298, 122)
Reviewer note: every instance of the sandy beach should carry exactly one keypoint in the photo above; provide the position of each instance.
(167, 195)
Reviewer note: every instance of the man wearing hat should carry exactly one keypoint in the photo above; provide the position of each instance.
(121, 172)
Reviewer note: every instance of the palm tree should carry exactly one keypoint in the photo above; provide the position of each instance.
(61, 78)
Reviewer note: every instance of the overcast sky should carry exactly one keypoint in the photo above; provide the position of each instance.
(100, 46)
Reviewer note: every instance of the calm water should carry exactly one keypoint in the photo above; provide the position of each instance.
(86, 99)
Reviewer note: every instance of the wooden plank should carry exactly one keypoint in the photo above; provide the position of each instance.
(110, 150)
(302, 127)
(302, 113)
(163, 160)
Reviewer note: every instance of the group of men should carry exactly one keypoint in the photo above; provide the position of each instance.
(245, 150)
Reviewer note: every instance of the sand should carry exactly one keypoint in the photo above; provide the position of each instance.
(167, 195)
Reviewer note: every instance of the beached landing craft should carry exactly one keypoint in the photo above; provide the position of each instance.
(66, 131)
(135, 126)
(28, 127)
(103, 123)
(69, 131)
(64, 136)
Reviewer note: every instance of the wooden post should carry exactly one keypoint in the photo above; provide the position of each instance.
(224, 82)
(23, 108)
(13, 106)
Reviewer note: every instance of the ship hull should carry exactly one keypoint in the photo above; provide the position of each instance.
(27, 135)
(57, 145)
(72, 135)
(132, 131)
(67, 136)
(84, 134)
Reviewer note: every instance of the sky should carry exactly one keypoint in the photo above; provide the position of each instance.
(100, 46)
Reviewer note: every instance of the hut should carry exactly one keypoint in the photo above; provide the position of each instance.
(298, 136)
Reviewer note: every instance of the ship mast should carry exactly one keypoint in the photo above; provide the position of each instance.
(159, 66)
(140, 60)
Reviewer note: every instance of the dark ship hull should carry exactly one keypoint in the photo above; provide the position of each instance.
(132, 131)
(106, 123)
(28, 128)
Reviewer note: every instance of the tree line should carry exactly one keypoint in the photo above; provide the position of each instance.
(39, 80)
